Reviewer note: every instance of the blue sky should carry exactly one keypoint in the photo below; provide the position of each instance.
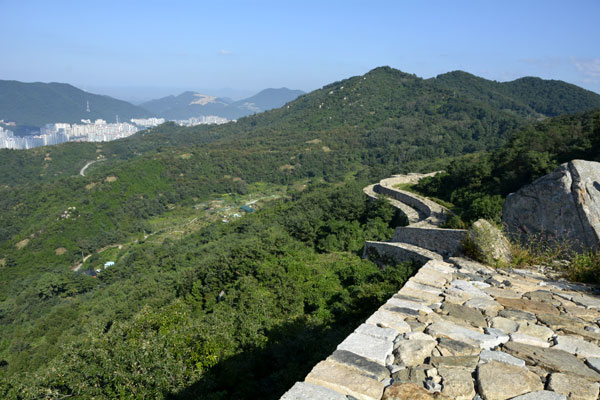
(251, 45)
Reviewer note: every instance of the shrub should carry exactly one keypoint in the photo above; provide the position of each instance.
(585, 267)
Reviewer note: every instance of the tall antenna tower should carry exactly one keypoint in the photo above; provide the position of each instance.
(117, 118)
(88, 106)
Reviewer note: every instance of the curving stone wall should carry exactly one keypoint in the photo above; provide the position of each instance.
(461, 330)
(446, 242)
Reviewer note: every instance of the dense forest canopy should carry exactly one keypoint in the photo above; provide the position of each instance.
(197, 295)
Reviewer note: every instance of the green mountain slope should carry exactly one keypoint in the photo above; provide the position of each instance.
(525, 96)
(36, 104)
(477, 184)
(291, 273)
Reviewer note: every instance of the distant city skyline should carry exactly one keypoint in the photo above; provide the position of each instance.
(146, 49)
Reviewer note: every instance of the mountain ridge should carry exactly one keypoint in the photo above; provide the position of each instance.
(38, 103)
(182, 106)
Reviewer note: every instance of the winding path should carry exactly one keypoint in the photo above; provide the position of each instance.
(82, 171)
(459, 329)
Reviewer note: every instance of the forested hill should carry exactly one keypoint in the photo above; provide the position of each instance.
(385, 117)
(525, 96)
(36, 104)
(153, 325)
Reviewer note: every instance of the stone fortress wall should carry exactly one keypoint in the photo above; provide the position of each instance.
(461, 330)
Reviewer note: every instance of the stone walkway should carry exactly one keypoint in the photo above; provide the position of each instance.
(461, 330)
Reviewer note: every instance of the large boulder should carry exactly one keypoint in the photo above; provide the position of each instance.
(563, 205)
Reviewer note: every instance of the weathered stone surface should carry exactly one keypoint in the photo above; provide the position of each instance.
(489, 243)
(585, 333)
(467, 362)
(376, 331)
(577, 346)
(422, 287)
(464, 315)
(415, 325)
(586, 314)
(388, 319)
(500, 292)
(564, 204)
(372, 348)
(468, 265)
(457, 383)
(560, 321)
(416, 375)
(530, 340)
(499, 381)
(517, 315)
(587, 301)
(345, 380)
(413, 352)
(535, 307)
(363, 366)
(417, 336)
(409, 391)
(502, 337)
(412, 305)
(500, 356)
(308, 391)
(550, 359)
(541, 395)
(575, 387)
(504, 324)
(465, 289)
(593, 363)
(447, 329)
(451, 347)
(427, 297)
(431, 277)
(541, 332)
(540, 295)
(487, 306)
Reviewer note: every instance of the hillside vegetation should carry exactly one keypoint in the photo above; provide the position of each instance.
(37, 104)
(222, 310)
(477, 184)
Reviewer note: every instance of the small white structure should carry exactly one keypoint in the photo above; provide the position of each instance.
(109, 264)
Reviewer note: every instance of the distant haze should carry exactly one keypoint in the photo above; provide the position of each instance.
(140, 94)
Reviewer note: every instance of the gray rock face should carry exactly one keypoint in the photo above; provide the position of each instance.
(564, 204)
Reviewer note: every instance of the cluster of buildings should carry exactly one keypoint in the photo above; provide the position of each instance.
(97, 131)
(147, 122)
(88, 131)
(202, 120)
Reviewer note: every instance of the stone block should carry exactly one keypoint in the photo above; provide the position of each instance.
(344, 380)
(369, 347)
(500, 381)
(308, 391)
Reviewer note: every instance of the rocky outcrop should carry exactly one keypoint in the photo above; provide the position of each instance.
(563, 205)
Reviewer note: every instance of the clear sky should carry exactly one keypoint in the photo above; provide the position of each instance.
(305, 44)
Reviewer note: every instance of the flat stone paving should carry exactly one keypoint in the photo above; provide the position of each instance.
(469, 332)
